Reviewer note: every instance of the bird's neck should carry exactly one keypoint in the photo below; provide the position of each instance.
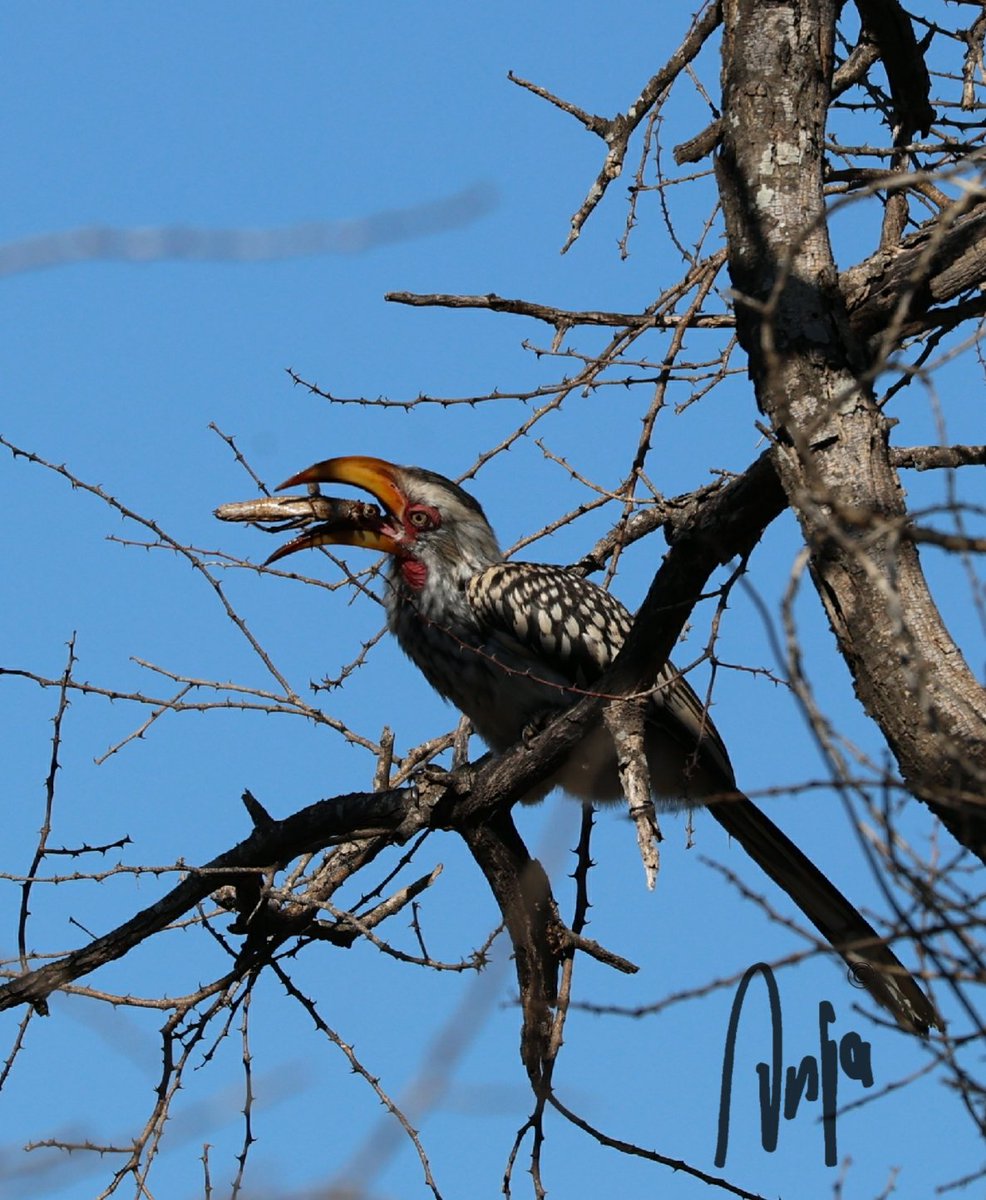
(435, 590)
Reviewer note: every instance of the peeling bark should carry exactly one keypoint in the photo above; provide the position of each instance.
(831, 452)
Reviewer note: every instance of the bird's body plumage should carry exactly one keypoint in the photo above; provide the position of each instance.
(523, 641)
(510, 644)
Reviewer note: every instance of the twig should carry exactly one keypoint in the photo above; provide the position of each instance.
(45, 831)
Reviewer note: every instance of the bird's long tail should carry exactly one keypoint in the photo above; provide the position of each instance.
(867, 954)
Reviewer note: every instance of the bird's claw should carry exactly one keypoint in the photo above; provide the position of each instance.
(431, 773)
(537, 724)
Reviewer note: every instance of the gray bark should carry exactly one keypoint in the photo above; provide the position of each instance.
(831, 450)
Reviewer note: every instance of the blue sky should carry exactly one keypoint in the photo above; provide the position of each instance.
(260, 116)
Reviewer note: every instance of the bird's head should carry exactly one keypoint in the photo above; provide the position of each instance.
(430, 525)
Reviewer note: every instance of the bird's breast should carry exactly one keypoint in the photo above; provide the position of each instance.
(499, 685)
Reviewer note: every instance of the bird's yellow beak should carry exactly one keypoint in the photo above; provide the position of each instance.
(375, 532)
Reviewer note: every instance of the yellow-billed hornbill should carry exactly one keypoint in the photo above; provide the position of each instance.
(509, 643)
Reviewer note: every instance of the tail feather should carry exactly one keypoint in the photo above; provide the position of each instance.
(866, 953)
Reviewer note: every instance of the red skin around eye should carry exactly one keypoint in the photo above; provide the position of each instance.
(413, 571)
(434, 519)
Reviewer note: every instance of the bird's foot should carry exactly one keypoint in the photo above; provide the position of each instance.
(537, 724)
(431, 773)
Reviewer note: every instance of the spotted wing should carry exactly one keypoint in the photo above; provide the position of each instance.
(577, 628)
(569, 623)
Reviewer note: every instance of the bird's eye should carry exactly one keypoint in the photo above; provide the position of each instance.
(423, 518)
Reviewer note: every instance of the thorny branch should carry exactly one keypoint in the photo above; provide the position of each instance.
(617, 131)
(736, 513)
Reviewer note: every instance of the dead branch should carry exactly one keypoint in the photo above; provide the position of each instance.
(616, 131)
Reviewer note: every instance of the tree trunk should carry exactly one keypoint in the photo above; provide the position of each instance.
(831, 448)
